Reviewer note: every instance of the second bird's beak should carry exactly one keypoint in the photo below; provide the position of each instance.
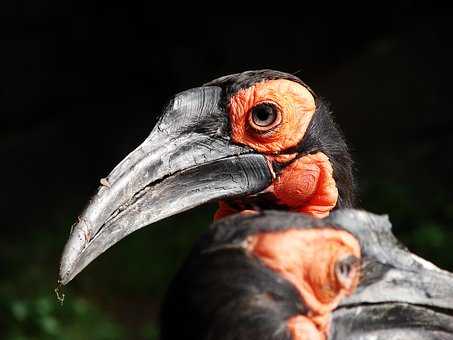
(187, 160)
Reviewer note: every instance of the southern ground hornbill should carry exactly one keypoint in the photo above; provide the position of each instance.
(265, 276)
(279, 275)
(252, 141)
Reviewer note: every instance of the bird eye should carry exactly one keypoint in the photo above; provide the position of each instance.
(345, 269)
(264, 117)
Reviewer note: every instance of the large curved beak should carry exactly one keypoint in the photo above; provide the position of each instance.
(186, 161)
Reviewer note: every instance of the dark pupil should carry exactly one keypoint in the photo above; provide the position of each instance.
(345, 266)
(264, 114)
(345, 269)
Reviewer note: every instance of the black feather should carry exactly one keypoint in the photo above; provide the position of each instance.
(324, 135)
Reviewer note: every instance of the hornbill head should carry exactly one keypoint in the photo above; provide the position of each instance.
(270, 275)
(288, 276)
(258, 139)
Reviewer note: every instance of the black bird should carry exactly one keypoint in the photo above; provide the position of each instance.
(280, 275)
(257, 277)
(253, 140)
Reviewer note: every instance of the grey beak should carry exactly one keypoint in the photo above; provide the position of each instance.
(187, 160)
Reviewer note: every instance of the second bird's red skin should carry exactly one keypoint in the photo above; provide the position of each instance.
(255, 277)
(308, 259)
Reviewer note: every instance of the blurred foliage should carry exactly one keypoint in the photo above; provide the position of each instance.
(41, 317)
(117, 298)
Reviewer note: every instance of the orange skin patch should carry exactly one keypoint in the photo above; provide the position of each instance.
(308, 259)
(306, 184)
(295, 104)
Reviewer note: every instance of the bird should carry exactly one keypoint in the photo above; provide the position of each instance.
(250, 141)
(262, 276)
(290, 276)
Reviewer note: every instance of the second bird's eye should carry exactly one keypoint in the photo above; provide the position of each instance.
(264, 116)
(345, 268)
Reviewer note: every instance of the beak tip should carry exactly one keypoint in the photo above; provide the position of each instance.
(67, 272)
(71, 255)
(64, 275)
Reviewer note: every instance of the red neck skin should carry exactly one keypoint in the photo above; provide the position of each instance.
(306, 185)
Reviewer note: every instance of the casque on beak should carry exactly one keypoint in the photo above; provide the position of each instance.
(187, 160)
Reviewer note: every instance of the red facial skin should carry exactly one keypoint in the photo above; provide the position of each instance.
(306, 184)
(308, 258)
(296, 106)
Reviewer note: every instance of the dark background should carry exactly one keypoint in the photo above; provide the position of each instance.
(79, 89)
